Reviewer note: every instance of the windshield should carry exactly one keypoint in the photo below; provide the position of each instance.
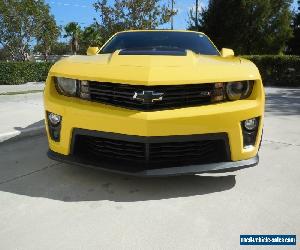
(196, 42)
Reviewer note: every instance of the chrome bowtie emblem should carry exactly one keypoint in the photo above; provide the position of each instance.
(148, 96)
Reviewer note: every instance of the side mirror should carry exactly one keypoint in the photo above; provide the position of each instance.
(91, 51)
(227, 52)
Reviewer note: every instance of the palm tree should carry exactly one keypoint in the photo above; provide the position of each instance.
(196, 18)
(172, 17)
(73, 30)
(91, 36)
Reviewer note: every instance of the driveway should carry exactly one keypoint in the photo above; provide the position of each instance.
(50, 205)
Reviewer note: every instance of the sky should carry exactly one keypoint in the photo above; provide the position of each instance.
(82, 11)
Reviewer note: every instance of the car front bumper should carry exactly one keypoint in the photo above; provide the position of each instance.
(221, 118)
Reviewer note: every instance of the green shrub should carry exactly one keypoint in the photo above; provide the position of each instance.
(22, 72)
(278, 70)
(275, 70)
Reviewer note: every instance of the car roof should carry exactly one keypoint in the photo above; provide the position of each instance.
(161, 30)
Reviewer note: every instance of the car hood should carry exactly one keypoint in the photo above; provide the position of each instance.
(156, 69)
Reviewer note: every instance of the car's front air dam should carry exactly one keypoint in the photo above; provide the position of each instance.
(222, 167)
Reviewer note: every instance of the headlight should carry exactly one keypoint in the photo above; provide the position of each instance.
(239, 90)
(66, 86)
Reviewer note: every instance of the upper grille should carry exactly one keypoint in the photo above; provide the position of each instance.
(175, 96)
(144, 154)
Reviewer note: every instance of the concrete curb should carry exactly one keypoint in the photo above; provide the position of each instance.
(19, 135)
(30, 86)
(25, 92)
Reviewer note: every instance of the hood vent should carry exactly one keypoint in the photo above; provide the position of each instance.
(154, 51)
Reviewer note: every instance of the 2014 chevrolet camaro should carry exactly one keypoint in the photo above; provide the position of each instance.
(155, 103)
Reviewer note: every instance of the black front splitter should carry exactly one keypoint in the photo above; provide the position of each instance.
(222, 167)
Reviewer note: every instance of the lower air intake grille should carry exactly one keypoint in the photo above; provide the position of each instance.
(149, 153)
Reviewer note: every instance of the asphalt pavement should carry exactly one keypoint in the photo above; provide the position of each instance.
(50, 205)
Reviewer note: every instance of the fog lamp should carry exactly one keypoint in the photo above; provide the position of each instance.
(54, 119)
(54, 126)
(251, 124)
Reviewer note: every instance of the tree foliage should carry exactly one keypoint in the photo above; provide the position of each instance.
(73, 30)
(81, 39)
(131, 14)
(21, 23)
(60, 48)
(90, 36)
(194, 17)
(47, 36)
(294, 43)
(248, 26)
(57, 48)
(4, 54)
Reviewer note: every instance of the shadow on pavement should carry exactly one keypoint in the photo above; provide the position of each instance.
(38, 124)
(283, 101)
(72, 184)
(26, 170)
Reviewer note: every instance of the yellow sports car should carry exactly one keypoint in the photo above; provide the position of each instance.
(155, 103)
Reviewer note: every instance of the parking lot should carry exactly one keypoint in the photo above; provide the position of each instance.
(50, 205)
